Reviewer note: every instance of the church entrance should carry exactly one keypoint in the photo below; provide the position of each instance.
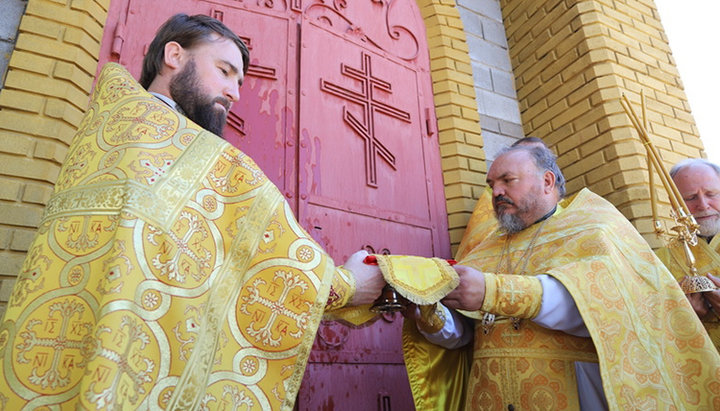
(337, 109)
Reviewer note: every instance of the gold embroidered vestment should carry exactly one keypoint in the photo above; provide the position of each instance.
(707, 260)
(167, 273)
(652, 351)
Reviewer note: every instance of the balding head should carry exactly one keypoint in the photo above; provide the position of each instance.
(698, 181)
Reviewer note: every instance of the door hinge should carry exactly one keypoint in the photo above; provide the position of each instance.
(384, 401)
(430, 124)
(118, 40)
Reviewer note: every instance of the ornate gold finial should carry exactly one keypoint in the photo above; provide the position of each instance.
(684, 232)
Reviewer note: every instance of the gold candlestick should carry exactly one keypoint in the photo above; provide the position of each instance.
(684, 233)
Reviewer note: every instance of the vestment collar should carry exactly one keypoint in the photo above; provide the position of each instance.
(170, 102)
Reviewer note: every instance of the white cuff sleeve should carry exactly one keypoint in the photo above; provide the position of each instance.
(456, 331)
(558, 310)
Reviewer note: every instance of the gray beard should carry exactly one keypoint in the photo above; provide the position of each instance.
(511, 223)
(710, 228)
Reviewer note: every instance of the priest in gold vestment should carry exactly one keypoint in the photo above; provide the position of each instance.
(570, 310)
(698, 181)
(168, 272)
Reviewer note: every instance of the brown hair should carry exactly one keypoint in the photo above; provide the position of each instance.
(187, 31)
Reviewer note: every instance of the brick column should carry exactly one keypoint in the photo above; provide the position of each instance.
(50, 74)
(461, 144)
(572, 61)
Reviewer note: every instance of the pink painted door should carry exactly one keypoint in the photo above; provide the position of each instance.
(369, 177)
(337, 110)
(261, 123)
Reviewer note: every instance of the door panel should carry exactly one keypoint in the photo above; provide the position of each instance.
(261, 122)
(337, 110)
(363, 151)
(369, 178)
(342, 233)
(353, 387)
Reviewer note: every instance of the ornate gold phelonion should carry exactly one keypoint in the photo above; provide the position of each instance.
(684, 232)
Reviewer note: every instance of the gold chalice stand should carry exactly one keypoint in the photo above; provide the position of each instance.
(684, 232)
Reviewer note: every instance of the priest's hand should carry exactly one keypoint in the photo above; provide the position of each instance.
(713, 297)
(697, 301)
(470, 293)
(411, 311)
(369, 281)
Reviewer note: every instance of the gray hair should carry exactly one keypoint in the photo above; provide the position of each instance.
(544, 160)
(691, 162)
(529, 140)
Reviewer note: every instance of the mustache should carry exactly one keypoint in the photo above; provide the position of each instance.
(502, 198)
(223, 102)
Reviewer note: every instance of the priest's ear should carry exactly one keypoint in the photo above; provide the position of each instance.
(174, 55)
(548, 182)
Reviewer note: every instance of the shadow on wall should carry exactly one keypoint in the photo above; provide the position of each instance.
(12, 12)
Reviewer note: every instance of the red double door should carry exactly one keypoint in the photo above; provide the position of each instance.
(337, 110)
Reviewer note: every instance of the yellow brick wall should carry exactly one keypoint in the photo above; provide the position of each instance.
(461, 145)
(572, 61)
(46, 91)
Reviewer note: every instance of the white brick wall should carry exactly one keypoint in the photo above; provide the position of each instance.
(492, 74)
(10, 15)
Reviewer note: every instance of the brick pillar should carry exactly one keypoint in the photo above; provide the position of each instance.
(46, 91)
(461, 145)
(572, 62)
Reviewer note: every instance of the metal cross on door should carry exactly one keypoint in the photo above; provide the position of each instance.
(366, 99)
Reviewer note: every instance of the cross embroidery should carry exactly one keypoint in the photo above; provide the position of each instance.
(82, 236)
(133, 369)
(512, 291)
(279, 310)
(134, 123)
(233, 398)
(510, 335)
(188, 244)
(367, 98)
(64, 348)
(224, 182)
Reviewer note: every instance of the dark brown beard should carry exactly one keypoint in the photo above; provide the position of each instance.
(185, 91)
